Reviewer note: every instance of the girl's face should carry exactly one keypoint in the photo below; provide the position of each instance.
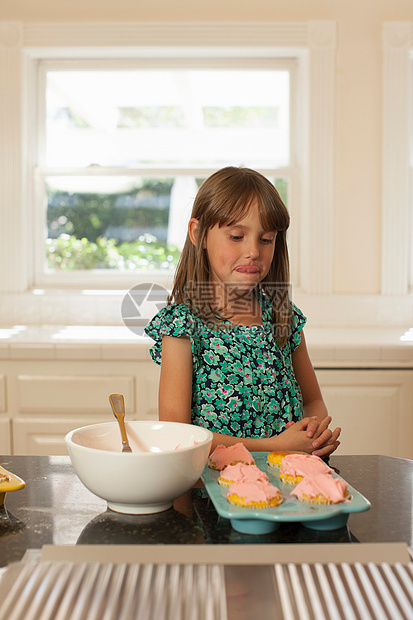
(240, 255)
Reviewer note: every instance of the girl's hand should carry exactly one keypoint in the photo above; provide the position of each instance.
(324, 439)
(310, 435)
(295, 436)
(326, 442)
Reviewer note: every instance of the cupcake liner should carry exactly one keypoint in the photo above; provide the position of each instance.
(236, 500)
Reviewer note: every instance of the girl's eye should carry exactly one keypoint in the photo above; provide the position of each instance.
(235, 237)
(266, 240)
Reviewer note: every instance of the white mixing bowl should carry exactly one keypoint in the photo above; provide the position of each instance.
(139, 482)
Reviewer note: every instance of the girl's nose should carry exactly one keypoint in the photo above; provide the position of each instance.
(251, 250)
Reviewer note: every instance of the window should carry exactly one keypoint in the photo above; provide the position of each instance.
(124, 145)
(24, 171)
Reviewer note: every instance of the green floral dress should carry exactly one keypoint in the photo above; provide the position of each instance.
(243, 383)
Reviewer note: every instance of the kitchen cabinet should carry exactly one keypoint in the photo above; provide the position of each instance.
(42, 436)
(5, 423)
(48, 389)
(5, 435)
(47, 399)
(374, 409)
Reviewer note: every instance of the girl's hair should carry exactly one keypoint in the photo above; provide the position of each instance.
(224, 199)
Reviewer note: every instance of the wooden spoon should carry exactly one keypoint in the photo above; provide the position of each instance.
(118, 407)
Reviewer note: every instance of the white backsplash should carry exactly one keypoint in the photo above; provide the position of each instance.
(80, 308)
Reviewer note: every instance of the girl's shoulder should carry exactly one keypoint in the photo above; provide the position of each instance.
(176, 321)
(298, 320)
(296, 315)
(172, 320)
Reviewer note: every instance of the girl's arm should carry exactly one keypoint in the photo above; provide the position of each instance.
(307, 380)
(325, 440)
(294, 438)
(175, 398)
(175, 390)
(175, 384)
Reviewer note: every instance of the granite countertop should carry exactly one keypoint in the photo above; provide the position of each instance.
(56, 509)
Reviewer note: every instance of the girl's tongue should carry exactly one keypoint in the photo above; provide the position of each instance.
(247, 269)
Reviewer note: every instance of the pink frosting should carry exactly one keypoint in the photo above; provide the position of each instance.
(304, 465)
(240, 471)
(333, 489)
(223, 456)
(254, 491)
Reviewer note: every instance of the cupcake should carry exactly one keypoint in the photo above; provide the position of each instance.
(223, 456)
(240, 472)
(295, 466)
(274, 459)
(254, 495)
(321, 489)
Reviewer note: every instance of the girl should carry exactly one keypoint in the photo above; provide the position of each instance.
(230, 342)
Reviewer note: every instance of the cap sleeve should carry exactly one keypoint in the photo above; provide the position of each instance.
(298, 320)
(175, 321)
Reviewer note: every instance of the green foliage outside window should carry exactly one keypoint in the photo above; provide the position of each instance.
(66, 252)
(78, 224)
(281, 186)
(137, 223)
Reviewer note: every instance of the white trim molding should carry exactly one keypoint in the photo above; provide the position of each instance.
(21, 44)
(396, 190)
(317, 273)
(130, 35)
(13, 257)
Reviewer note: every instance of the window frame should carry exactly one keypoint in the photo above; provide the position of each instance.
(105, 278)
(312, 42)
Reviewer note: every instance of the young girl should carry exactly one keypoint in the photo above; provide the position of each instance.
(230, 342)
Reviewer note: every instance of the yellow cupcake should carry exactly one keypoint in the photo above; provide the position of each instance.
(320, 500)
(240, 501)
(296, 466)
(317, 499)
(275, 459)
(254, 495)
(223, 456)
(241, 472)
(322, 490)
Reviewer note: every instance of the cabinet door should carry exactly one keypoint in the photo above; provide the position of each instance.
(3, 404)
(44, 436)
(5, 443)
(374, 409)
(147, 388)
(71, 393)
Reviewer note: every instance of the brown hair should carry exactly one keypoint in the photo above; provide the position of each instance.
(225, 198)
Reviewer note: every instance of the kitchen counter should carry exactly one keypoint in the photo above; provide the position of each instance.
(54, 379)
(56, 509)
(329, 346)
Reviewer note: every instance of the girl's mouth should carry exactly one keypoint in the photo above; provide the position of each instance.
(247, 269)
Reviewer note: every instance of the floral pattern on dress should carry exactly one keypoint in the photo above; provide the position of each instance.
(243, 382)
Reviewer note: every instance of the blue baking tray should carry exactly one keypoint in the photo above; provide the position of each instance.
(265, 520)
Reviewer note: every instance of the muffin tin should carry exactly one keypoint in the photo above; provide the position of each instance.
(266, 520)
